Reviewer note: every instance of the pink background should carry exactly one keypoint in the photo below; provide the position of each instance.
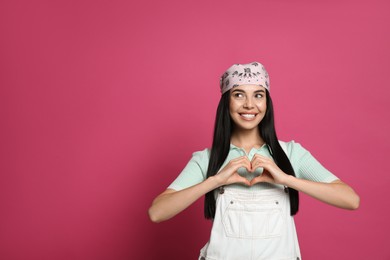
(103, 103)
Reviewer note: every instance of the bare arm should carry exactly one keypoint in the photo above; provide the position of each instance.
(336, 193)
(171, 202)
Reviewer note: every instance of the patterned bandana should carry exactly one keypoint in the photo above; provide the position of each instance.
(244, 74)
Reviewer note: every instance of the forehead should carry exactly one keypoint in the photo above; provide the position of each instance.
(248, 88)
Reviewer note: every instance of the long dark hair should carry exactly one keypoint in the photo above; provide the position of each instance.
(221, 144)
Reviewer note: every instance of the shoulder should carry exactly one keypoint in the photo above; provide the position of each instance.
(202, 154)
(294, 150)
(290, 144)
(201, 158)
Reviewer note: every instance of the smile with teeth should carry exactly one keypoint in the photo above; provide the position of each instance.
(248, 116)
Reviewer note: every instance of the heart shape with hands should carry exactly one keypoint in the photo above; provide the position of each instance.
(232, 173)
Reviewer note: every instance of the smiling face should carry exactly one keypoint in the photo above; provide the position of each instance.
(248, 105)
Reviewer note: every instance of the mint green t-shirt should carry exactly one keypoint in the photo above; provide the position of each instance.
(304, 164)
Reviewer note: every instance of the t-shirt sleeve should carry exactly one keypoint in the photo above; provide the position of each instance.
(193, 173)
(306, 166)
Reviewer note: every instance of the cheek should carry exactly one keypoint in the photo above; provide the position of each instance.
(233, 106)
(262, 106)
(231, 111)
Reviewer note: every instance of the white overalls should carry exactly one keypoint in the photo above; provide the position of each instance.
(252, 225)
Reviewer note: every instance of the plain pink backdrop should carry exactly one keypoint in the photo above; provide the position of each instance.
(103, 103)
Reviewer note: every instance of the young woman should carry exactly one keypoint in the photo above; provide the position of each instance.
(249, 178)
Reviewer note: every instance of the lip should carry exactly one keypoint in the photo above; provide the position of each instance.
(248, 116)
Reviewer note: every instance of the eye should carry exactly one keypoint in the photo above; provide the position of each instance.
(238, 95)
(258, 95)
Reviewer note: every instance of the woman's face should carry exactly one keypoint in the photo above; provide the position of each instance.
(248, 105)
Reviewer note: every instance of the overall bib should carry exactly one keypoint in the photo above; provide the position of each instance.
(252, 225)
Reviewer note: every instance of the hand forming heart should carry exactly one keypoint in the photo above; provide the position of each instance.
(271, 172)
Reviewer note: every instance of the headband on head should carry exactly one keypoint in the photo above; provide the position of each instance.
(244, 74)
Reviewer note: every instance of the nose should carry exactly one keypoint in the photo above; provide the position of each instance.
(248, 103)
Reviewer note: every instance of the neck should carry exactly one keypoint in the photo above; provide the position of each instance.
(247, 139)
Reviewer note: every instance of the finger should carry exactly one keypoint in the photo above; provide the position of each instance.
(262, 161)
(243, 162)
(232, 167)
(236, 163)
(257, 164)
(239, 159)
(242, 180)
(236, 178)
(248, 164)
(261, 158)
(260, 179)
(257, 180)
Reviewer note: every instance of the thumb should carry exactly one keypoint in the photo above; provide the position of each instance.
(242, 180)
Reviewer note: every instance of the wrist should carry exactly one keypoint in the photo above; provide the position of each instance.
(288, 181)
(215, 181)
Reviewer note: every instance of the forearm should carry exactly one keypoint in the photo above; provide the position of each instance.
(336, 193)
(170, 203)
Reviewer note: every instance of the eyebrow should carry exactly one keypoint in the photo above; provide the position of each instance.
(260, 90)
(242, 91)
